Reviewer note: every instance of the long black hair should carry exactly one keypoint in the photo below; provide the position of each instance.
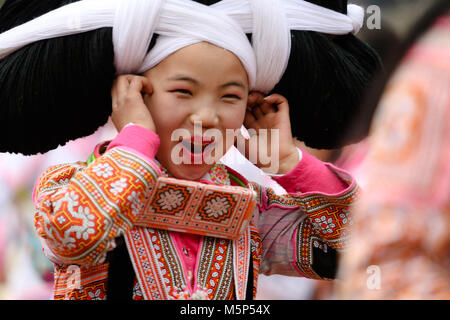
(57, 90)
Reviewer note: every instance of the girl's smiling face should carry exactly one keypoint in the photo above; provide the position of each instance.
(203, 85)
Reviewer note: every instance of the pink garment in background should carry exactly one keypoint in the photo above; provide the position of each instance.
(400, 246)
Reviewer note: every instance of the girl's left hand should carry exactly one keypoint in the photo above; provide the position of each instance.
(271, 112)
(128, 104)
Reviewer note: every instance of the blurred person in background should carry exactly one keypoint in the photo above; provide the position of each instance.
(400, 240)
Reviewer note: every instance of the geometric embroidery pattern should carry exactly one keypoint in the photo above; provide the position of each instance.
(303, 250)
(328, 215)
(330, 224)
(80, 219)
(217, 206)
(161, 273)
(194, 207)
(256, 247)
(215, 268)
(305, 242)
(169, 264)
(171, 199)
(242, 255)
(146, 266)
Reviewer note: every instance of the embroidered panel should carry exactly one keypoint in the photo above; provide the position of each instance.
(332, 223)
(169, 263)
(160, 272)
(313, 257)
(189, 206)
(256, 247)
(329, 214)
(311, 203)
(137, 292)
(146, 265)
(303, 255)
(241, 261)
(215, 269)
(100, 202)
(218, 206)
(58, 176)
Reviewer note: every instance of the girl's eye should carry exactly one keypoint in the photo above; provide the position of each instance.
(231, 96)
(182, 91)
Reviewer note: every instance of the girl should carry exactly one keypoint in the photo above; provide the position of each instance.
(83, 210)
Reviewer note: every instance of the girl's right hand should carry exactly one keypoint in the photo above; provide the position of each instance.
(128, 103)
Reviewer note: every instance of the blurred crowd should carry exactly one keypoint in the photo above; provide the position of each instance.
(402, 230)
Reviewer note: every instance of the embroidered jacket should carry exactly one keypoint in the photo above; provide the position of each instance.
(86, 213)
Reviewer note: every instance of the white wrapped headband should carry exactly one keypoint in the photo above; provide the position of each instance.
(180, 23)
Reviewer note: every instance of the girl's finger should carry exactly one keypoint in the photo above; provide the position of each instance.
(119, 90)
(147, 86)
(279, 101)
(249, 120)
(141, 84)
(257, 112)
(131, 87)
(255, 98)
(136, 86)
(252, 97)
(122, 86)
(268, 108)
(114, 94)
(275, 99)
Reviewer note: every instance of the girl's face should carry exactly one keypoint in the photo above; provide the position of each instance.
(201, 85)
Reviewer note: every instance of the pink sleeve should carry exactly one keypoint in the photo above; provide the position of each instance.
(137, 138)
(310, 175)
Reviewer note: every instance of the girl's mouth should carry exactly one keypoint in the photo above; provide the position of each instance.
(197, 145)
(195, 149)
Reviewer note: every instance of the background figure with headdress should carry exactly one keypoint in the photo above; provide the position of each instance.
(400, 241)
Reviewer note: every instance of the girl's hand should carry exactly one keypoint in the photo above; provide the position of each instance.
(128, 102)
(271, 112)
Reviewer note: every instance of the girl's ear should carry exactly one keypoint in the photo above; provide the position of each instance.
(147, 93)
(148, 87)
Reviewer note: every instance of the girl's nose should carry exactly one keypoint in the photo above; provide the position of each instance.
(206, 114)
